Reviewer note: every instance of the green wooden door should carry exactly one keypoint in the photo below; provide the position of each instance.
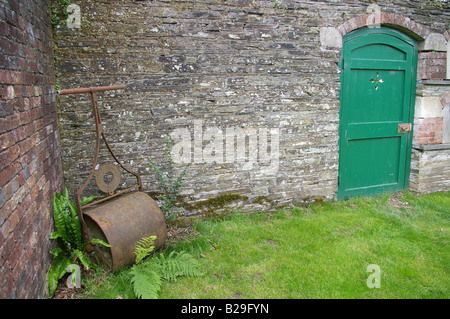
(377, 107)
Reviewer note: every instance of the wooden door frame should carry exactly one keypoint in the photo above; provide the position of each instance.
(408, 40)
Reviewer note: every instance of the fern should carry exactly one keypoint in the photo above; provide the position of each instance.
(60, 224)
(146, 282)
(74, 224)
(67, 223)
(69, 232)
(144, 247)
(177, 265)
(170, 186)
(148, 275)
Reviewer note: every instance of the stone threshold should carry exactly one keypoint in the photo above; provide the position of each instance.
(431, 147)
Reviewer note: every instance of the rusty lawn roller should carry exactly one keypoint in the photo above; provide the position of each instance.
(123, 217)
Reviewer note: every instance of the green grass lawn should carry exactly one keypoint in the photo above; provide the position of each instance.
(321, 251)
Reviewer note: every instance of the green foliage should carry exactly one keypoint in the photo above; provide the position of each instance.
(144, 247)
(170, 186)
(277, 4)
(69, 235)
(59, 11)
(175, 265)
(148, 276)
(437, 3)
(146, 282)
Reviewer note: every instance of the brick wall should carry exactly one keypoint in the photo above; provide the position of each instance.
(29, 148)
(428, 130)
(432, 65)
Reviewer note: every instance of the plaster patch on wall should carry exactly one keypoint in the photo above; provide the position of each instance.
(330, 38)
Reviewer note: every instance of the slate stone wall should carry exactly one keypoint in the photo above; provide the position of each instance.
(430, 169)
(210, 67)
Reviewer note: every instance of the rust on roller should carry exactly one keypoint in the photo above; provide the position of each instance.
(124, 221)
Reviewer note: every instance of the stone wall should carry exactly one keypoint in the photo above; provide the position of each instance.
(430, 160)
(429, 113)
(211, 66)
(30, 160)
(430, 168)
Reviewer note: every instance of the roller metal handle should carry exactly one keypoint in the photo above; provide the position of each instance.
(93, 91)
(90, 89)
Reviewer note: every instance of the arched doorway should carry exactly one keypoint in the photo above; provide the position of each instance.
(378, 84)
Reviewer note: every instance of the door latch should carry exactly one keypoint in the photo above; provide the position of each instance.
(404, 128)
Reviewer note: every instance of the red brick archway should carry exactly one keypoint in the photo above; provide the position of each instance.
(396, 21)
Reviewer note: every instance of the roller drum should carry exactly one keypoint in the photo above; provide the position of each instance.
(122, 222)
